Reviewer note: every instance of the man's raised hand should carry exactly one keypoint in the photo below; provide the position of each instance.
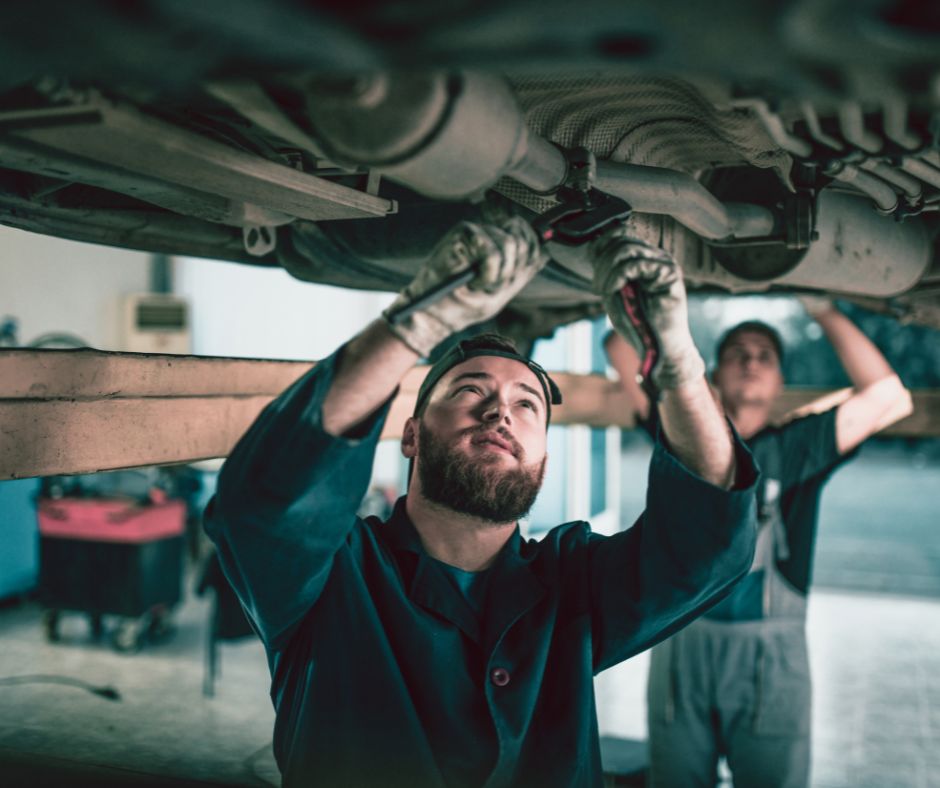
(652, 307)
(504, 259)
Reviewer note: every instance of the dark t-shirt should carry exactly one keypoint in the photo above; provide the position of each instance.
(471, 585)
(795, 460)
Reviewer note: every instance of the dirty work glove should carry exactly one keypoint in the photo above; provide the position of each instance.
(506, 257)
(662, 317)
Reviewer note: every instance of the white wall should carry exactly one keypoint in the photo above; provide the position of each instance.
(247, 311)
(251, 312)
(49, 284)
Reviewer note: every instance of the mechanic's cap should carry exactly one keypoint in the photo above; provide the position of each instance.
(754, 327)
(486, 345)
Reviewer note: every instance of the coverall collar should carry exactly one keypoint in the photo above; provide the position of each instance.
(513, 586)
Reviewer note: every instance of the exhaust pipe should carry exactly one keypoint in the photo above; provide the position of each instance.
(451, 136)
(447, 136)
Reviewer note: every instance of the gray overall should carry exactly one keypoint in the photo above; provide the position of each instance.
(737, 688)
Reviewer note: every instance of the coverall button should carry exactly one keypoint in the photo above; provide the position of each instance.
(499, 676)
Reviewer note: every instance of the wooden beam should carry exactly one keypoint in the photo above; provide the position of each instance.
(80, 411)
(101, 375)
(924, 422)
(47, 438)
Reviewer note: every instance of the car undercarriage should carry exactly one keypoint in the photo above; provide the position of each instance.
(786, 146)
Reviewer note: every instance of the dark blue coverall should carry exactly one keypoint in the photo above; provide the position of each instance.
(383, 675)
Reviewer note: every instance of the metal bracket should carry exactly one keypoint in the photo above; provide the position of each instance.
(798, 220)
(583, 212)
(580, 217)
(259, 239)
(582, 170)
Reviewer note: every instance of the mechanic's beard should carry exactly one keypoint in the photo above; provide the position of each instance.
(457, 482)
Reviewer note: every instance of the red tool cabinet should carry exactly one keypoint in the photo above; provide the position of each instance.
(115, 557)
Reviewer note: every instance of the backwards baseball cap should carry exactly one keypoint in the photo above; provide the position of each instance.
(486, 345)
(751, 327)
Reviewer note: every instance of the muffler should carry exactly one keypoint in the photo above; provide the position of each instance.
(855, 251)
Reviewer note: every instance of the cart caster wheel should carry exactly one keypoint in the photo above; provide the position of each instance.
(127, 637)
(161, 628)
(50, 623)
(96, 626)
(161, 625)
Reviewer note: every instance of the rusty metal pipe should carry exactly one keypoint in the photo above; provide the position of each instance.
(677, 194)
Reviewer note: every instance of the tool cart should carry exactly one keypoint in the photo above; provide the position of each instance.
(114, 556)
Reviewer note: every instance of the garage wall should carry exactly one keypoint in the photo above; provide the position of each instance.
(49, 284)
(53, 285)
(251, 312)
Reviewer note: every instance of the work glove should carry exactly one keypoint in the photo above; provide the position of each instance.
(652, 313)
(505, 257)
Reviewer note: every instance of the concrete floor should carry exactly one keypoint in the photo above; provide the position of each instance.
(876, 660)
(876, 710)
(162, 731)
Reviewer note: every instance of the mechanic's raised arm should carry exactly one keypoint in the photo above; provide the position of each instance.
(652, 312)
(880, 398)
(504, 258)
(288, 494)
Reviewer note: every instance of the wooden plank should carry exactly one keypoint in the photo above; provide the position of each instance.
(80, 411)
(924, 422)
(45, 438)
(96, 374)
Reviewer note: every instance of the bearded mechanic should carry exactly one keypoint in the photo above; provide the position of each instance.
(440, 648)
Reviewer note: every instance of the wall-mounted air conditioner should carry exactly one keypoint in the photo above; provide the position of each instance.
(156, 323)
